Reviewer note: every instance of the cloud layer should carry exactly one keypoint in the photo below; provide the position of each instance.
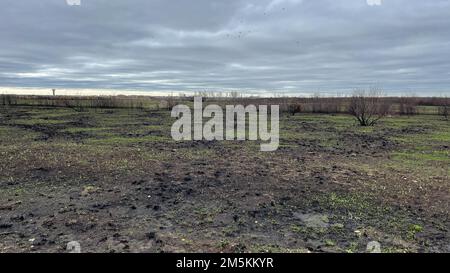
(256, 46)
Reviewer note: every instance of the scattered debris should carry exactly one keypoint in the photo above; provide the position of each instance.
(313, 220)
(373, 247)
(73, 247)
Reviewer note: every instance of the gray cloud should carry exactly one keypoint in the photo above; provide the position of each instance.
(290, 46)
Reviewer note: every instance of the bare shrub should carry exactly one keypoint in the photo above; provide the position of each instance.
(294, 109)
(444, 111)
(74, 104)
(331, 106)
(8, 100)
(235, 94)
(317, 104)
(368, 107)
(407, 106)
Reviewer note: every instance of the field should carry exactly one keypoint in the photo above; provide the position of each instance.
(115, 181)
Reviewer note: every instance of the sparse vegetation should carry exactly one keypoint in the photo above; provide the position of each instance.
(444, 110)
(407, 106)
(292, 106)
(119, 175)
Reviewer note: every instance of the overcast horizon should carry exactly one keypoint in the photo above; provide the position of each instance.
(290, 47)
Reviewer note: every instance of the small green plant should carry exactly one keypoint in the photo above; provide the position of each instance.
(224, 244)
(330, 242)
(413, 230)
(352, 248)
(297, 229)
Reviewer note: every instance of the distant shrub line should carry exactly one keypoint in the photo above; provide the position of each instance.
(289, 105)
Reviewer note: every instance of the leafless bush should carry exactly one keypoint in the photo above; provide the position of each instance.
(235, 94)
(407, 106)
(7, 100)
(444, 110)
(167, 103)
(317, 104)
(368, 107)
(325, 105)
(74, 104)
(294, 109)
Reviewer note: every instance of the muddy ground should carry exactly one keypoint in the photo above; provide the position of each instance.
(115, 181)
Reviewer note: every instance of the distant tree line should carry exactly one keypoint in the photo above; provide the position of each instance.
(368, 106)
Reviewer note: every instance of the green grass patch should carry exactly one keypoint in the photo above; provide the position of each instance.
(36, 121)
(421, 156)
(127, 140)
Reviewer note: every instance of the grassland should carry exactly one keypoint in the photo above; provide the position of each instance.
(114, 180)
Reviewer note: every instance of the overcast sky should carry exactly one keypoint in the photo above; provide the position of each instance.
(290, 46)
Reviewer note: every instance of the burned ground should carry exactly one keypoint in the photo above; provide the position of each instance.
(114, 180)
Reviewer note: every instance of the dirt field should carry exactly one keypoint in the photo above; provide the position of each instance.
(113, 180)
